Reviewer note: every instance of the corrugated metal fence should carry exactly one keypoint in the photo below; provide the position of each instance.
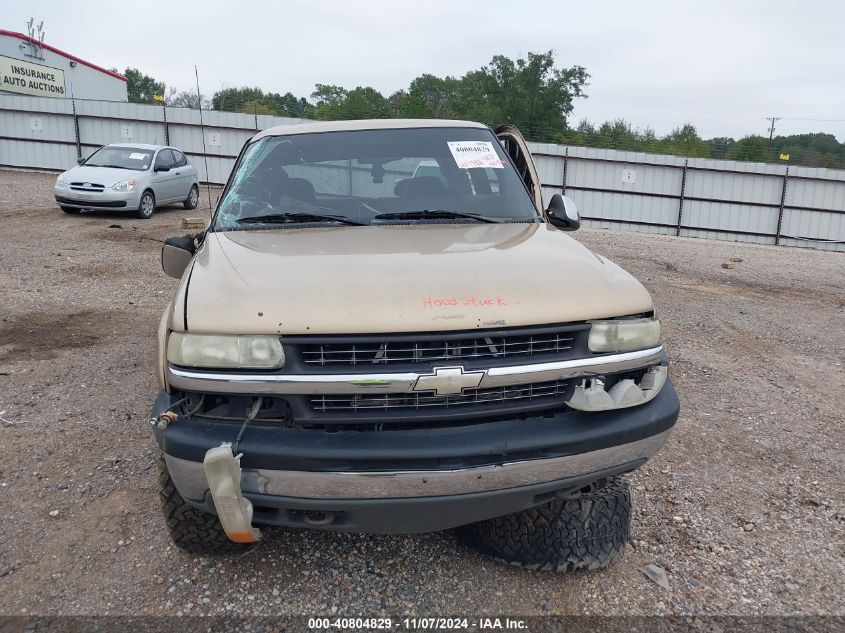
(695, 197)
(749, 202)
(46, 133)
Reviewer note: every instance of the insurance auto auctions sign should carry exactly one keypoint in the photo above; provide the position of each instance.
(30, 79)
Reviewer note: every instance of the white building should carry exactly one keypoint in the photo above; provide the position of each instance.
(28, 67)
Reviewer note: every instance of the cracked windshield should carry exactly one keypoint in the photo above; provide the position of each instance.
(420, 175)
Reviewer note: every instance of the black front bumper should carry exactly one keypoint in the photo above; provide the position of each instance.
(93, 204)
(536, 437)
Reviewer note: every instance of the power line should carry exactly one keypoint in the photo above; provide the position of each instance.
(793, 118)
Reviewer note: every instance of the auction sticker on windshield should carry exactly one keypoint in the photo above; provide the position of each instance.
(470, 154)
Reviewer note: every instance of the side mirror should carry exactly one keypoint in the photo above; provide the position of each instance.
(162, 168)
(80, 160)
(176, 254)
(563, 213)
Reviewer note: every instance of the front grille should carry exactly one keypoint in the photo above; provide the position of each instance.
(87, 186)
(94, 203)
(402, 350)
(558, 389)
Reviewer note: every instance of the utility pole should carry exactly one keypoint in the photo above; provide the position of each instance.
(773, 119)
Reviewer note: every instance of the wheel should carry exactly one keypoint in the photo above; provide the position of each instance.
(71, 210)
(588, 531)
(190, 529)
(147, 206)
(192, 199)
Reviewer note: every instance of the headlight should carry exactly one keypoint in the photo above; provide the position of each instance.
(124, 185)
(624, 335)
(218, 350)
(60, 181)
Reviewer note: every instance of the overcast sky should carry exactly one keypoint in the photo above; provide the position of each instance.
(722, 65)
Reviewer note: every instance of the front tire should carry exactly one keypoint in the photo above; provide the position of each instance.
(147, 206)
(71, 210)
(192, 199)
(586, 532)
(190, 529)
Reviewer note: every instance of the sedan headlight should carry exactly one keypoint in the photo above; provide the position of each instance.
(60, 181)
(624, 335)
(124, 185)
(223, 351)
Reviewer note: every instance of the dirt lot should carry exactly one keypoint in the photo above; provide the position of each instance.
(744, 508)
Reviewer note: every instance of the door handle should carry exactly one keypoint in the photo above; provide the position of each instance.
(177, 173)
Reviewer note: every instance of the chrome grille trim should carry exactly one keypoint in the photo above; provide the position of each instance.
(92, 186)
(428, 399)
(404, 382)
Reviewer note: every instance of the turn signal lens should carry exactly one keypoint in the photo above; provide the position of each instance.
(624, 335)
(221, 351)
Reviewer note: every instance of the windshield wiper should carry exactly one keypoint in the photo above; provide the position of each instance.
(112, 166)
(433, 214)
(297, 218)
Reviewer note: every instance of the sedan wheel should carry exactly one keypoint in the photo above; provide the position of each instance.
(147, 205)
(192, 199)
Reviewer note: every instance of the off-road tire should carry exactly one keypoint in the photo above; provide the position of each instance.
(585, 532)
(146, 209)
(193, 198)
(71, 210)
(190, 529)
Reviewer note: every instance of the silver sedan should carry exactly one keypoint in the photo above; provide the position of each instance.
(128, 176)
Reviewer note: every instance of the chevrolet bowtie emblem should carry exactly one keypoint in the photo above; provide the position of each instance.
(446, 381)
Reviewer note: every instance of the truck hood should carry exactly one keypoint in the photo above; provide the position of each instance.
(401, 278)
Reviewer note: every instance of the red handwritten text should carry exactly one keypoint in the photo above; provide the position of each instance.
(434, 302)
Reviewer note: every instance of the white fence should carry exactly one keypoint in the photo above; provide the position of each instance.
(695, 197)
(46, 133)
(749, 202)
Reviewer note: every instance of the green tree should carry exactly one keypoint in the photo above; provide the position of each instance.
(337, 103)
(438, 95)
(529, 92)
(532, 93)
(141, 88)
(685, 141)
(234, 99)
(288, 105)
(720, 146)
(256, 101)
(365, 103)
(814, 150)
(751, 148)
(257, 107)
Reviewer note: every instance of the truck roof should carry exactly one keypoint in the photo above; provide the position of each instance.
(362, 124)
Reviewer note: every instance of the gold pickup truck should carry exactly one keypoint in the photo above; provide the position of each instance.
(384, 329)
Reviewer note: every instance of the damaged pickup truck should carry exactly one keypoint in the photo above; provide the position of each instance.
(384, 329)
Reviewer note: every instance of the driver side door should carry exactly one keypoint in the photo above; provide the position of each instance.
(517, 149)
(165, 183)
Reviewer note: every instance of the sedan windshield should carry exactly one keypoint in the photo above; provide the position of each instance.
(386, 176)
(133, 158)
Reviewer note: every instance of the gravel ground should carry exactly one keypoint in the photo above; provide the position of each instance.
(744, 508)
